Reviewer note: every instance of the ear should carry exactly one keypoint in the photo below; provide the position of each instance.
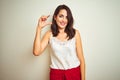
(54, 17)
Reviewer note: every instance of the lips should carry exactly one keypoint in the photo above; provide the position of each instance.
(62, 23)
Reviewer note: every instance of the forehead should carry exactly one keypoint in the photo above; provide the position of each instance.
(63, 12)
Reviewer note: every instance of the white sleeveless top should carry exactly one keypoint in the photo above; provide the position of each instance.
(63, 54)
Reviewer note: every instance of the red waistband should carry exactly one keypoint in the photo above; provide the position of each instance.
(61, 70)
(69, 74)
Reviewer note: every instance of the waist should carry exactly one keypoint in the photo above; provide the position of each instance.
(62, 63)
(65, 70)
(61, 66)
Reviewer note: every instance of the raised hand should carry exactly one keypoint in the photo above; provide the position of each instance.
(42, 22)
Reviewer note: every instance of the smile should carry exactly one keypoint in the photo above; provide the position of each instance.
(62, 23)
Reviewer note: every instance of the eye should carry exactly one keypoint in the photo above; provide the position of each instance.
(61, 16)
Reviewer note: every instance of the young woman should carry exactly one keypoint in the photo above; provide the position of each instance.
(67, 60)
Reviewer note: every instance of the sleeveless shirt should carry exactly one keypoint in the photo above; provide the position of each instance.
(63, 53)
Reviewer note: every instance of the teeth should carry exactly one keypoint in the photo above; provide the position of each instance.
(62, 23)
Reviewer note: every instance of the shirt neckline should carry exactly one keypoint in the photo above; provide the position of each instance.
(63, 41)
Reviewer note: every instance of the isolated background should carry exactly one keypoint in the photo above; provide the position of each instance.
(97, 20)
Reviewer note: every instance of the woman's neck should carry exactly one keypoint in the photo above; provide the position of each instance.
(61, 30)
(62, 34)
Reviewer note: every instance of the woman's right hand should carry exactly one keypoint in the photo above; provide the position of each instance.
(42, 22)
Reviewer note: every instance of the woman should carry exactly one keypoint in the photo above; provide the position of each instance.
(67, 60)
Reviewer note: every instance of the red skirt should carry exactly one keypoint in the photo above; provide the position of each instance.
(69, 74)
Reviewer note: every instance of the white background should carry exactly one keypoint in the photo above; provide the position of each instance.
(97, 20)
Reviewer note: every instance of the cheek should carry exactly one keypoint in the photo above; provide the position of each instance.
(58, 19)
(66, 21)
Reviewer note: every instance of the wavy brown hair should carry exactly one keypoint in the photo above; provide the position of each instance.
(69, 28)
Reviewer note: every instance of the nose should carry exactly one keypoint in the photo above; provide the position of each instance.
(64, 19)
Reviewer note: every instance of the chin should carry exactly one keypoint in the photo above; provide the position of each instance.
(62, 26)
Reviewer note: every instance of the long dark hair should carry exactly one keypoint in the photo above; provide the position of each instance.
(69, 28)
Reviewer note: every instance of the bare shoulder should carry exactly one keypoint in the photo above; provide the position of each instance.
(78, 39)
(48, 33)
(77, 34)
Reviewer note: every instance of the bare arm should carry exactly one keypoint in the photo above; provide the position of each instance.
(39, 45)
(80, 54)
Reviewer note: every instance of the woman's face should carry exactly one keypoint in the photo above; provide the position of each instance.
(61, 19)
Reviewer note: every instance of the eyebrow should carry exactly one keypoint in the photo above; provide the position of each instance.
(62, 15)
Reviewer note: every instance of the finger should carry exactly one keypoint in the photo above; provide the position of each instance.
(48, 16)
(43, 19)
(45, 16)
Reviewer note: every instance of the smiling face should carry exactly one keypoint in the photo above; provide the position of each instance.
(61, 19)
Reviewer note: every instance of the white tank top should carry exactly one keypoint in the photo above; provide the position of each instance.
(63, 54)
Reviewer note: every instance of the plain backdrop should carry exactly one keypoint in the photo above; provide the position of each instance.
(97, 20)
